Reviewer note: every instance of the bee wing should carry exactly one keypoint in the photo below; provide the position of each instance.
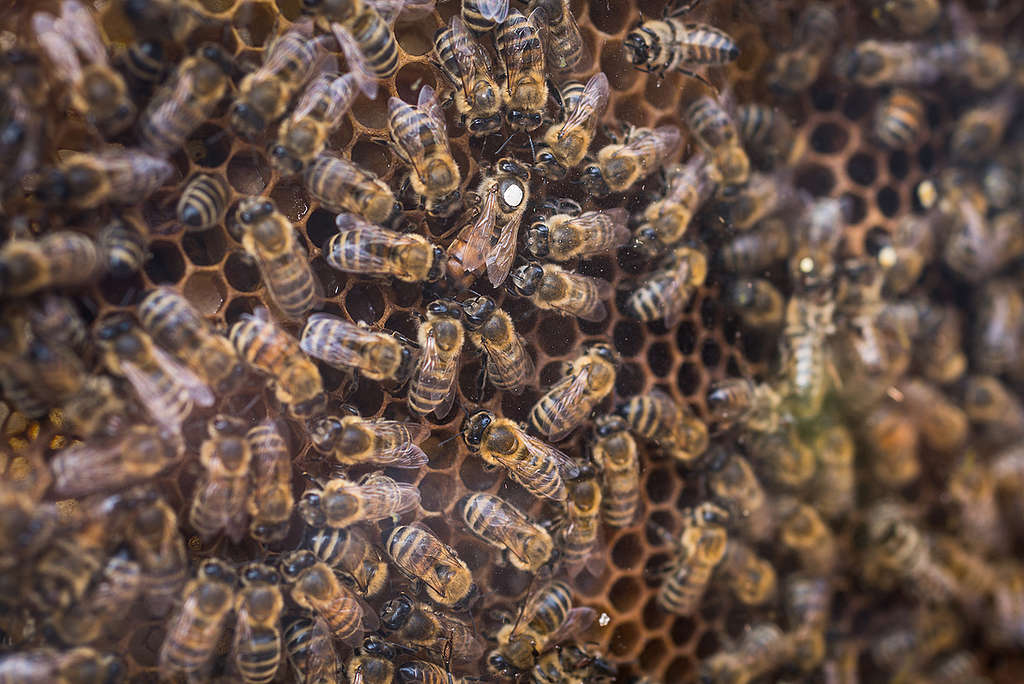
(431, 106)
(404, 454)
(516, 63)
(475, 238)
(576, 621)
(357, 65)
(404, 496)
(593, 101)
(79, 27)
(324, 664)
(339, 348)
(57, 47)
(566, 466)
(594, 309)
(499, 261)
(388, 9)
(243, 628)
(676, 294)
(370, 233)
(493, 10)
(101, 463)
(315, 90)
(660, 142)
(466, 50)
(432, 364)
(197, 389)
(407, 142)
(567, 405)
(612, 221)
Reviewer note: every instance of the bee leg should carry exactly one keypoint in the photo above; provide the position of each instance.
(610, 134)
(702, 79)
(680, 9)
(482, 382)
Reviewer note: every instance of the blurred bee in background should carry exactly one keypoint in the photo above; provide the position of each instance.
(349, 551)
(19, 511)
(764, 194)
(938, 342)
(979, 247)
(762, 649)
(75, 47)
(418, 624)
(353, 440)
(808, 600)
(202, 202)
(523, 73)
(783, 457)
(368, 24)
(750, 578)
(311, 651)
(814, 38)
(85, 180)
(483, 15)
(57, 259)
(892, 441)
(563, 43)
(942, 424)
(151, 532)
(971, 491)
(219, 501)
(467, 66)
(808, 325)
(342, 186)
(81, 664)
(523, 543)
(991, 405)
(666, 293)
(20, 130)
(341, 503)
(538, 467)
(421, 556)
(916, 639)
(900, 552)
(899, 119)
(758, 249)
(700, 549)
(715, 131)
(587, 381)
(620, 165)
(566, 142)
(578, 538)
(908, 17)
(904, 252)
(432, 388)
(731, 480)
(575, 663)
(833, 492)
(768, 135)
(997, 340)
(372, 662)
(875, 63)
(551, 287)
(315, 587)
(657, 417)
(666, 220)
(509, 366)
(361, 247)
(570, 233)
(376, 355)
(419, 138)
(757, 302)
(615, 453)
(257, 649)
(194, 631)
(803, 530)
(122, 242)
(270, 499)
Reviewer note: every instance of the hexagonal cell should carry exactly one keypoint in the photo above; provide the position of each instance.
(249, 172)
(829, 138)
(625, 594)
(628, 552)
(206, 247)
(206, 291)
(861, 169)
(556, 335)
(254, 22)
(165, 264)
(208, 146)
(621, 74)
(291, 199)
(411, 78)
(365, 302)
(624, 640)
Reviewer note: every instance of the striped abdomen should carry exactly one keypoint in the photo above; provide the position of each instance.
(355, 252)
(698, 44)
(549, 612)
(377, 42)
(684, 588)
(291, 282)
(261, 344)
(900, 118)
(621, 494)
(202, 202)
(475, 20)
(258, 656)
(170, 320)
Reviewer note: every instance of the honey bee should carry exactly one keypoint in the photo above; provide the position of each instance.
(22, 135)
(263, 95)
(899, 119)
(835, 481)
(372, 662)
(342, 186)
(539, 468)
(915, 642)
(732, 481)
(572, 233)
(269, 237)
(892, 440)
(579, 537)
(665, 293)
(368, 24)
(144, 63)
(808, 600)
(360, 247)
(376, 355)
(758, 249)
(343, 503)
(19, 511)
(656, 46)
(466, 65)
(296, 380)
(420, 555)
(489, 328)
(315, 587)
(996, 343)
(990, 404)
(151, 531)
(522, 542)
(353, 440)
(665, 221)
(900, 551)
(906, 251)
(758, 303)
(492, 238)
(763, 195)
(551, 287)
(751, 579)
(257, 644)
(177, 326)
(62, 574)
(81, 665)
(786, 459)
(972, 492)
(202, 202)
(942, 424)
(74, 45)
(547, 617)
(620, 165)
(219, 502)
(167, 389)
(520, 50)
(270, 498)
(194, 631)
(961, 666)
(348, 550)
(908, 17)
(563, 43)
(58, 259)
(615, 453)
(875, 63)
(763, 648)
(85, 180)
(420, 625)
(810, 537)
(566, 142)
(311, 651)
(939, 341)
(123, 246)
(768, 135)
(794, 70)
(432, 388)
(587, 381)
(980, 247)
(715, 131)
(419, 138)
(808, 324)
(676, 430)
(575, 663)
(188, 100)
(701, 548)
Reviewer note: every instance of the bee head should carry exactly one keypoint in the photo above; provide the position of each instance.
(324, 432)
(537, 240)
(605, 352)
(284, 160)
(709, 513)
(311, 508)
(445, 308)
(268, 533)
(251, 210)
(498, 665)
(638, 49)
(474, 425)
(258, 573)
(610, 425)
(511, 166)
(484, 125)
(548, 166)
(377, 647)
(437, 265)
(246, 121)
(526, 279)
(396, 612)
(523, 120)
(593, 180)
(217, 570)
(294, 563)
(477, 310)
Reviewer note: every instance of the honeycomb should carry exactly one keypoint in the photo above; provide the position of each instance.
(832, 122)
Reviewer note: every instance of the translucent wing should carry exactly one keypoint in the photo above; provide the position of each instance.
(338, 346)
(610, 223)
(576, 621)
(314, 94)
(568, 410)
(566, 466)
(520, 61)
(465, 50)
(388, 9)
(408, 143)
(78, 26)
(197, 389)
(431, 106)
(591, 307)
(431, 364)
(677, 293)
(592, 103)
(57, 48)
(474, 240)
(368, 233)
(358, 68)
(416, 9)
(324, 664)
(403, 451)
(512, 370)
(499, 261)
(399, 497)
(493, 10)
(660, 142)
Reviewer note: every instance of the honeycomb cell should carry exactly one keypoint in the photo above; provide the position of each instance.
(291, 199)
(590, 585)
(475, 474)
(815, 179)
(206, 247)
(857, 103)
(888, 201)
(208, 146)
(829, 138)
(437, 490)
(372, 156)
(679, 670)
(710, 353)
(609, 18)
(630, 380)
(689, 379)
(371, 114)
(254, 22)
(241, 272)
(248, 173)
(417, 38)
(660, 485)
(625, 594)
(289, 9)
(332, 281)
(365, 302)
(659, 359)
(411, 78)
(708, 643)
(653, 616)
(238, 306)
(628, 337)
(219, 6)
(854, 208)
(627, 553)
(861, 169)
(165, 263)
(509, 581)
(557, 335)
(621, 74)
(206, 291)
(653, 653)
(686, 337)
(624, 639)
(899, 164)
(121, 291)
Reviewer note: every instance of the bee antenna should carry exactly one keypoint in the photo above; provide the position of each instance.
(498, 151)
(455, 436)
(532, 150)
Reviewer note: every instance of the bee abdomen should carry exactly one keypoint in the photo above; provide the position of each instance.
(377, 43)
(701, 44)
(260, 656)
(202, 202)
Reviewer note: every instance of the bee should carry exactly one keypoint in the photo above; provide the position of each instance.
(767, 135)
(62, 574)
(188, 100)
(420, 625)
(701, 548)
(942, 424)
(579, 538)
(990, 404)
(58, 259)
(522, 542)
(996, 343)
(939, 341)
(492, 238)
(353, 440)
(892, 440)
(905, 252)
(483, 15)
(466, 65)
(311, 651)
(808, 600)
(219, 502)
(758, 249)
(202, 202)
(620, 165)
(900, 551)
(566, 142)
(432, 388)
(194, 631)
(547, 617)
(979, 131)
(715, 131)
(539, 468)
(676, 430)
(315, 587)
(665, 221)
(915, 642)
(368, 25)
(763, 195)
(296, 380)
(575, 663)
(123, 246)
(269, 237)
(786, 459)
(419, 554)
(899, 119)
(151, 532)
(376, 355)
(339, 185)
(520, 50)
(19, 511)
(342, 503)
(489, 328)
(145, 63)
(360, 247)
(263, 95)
(574, 234)
(732, 481)
(757, 302)
(810, 537)
(665, 293)
(74, 45)
(85, 180)
(815, 35)
(668, 44)
(419, 138)
(81, 665)
(587, 381)
(972, 492)
(563, 43)
(908, 17)
(177, 326)
(348, 550)
(875, 63)
(751, 579)
(257, 644)
(372, 662)
(763, 648)
(808, 324)
(615, 453)
(962, 666)
(270, 497)
(835, 481)
(553, 288)
(980, 247)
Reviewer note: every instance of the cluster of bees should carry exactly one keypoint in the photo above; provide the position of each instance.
(322, 573)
